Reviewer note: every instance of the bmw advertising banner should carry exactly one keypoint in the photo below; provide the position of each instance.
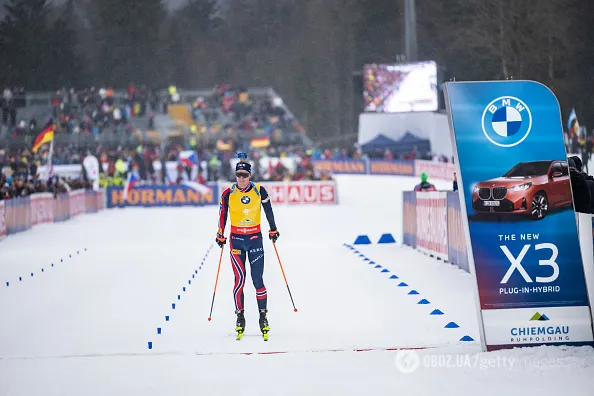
(519, 221)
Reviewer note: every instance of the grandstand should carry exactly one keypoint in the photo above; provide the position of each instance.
(193, 118)
(151, 128)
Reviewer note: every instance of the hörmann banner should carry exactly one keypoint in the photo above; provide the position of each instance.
(518, 214)
(160, 195)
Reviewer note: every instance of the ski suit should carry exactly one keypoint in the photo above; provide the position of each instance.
(244, 208)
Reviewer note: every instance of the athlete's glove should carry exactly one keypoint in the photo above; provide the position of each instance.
(221, 240)
(273, 235)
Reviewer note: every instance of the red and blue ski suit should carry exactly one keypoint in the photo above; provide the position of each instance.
(244, 207)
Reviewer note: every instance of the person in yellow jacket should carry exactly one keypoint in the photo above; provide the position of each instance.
(243, 201)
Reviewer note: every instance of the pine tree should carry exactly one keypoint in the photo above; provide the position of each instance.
(193, 43)
(67, 65)
(24, 39)
(129, 41)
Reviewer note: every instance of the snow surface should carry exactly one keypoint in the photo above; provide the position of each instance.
(82, 326)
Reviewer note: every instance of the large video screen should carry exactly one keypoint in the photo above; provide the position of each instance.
(400, 88)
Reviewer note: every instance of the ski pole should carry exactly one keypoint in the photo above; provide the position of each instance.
(283, 271)
(216, 282)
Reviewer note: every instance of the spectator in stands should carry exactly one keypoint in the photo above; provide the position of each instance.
(455, 183)
(580, 190)
(424, 185)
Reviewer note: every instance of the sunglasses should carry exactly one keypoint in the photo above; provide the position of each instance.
(242, 175)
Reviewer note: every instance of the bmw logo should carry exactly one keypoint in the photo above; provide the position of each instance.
(506, 121)
(245, 199)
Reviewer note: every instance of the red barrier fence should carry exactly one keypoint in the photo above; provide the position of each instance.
(432, 223)
(20, 214)
(77, 202)
(432, 232)
(42, 208)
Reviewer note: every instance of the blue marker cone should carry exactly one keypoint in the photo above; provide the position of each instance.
(402, 284)
(386, 238)
(61, 260)
(166, 318)
(467, 338)
(42, 270)
(20, 279)
(31, 273)
(173, 306)
(423, 301)
(150, 345)
(413, 292)
(193, 276)
(436, 312)
(178, 297)
(158, 330)
(195, 271)
(393, 277)
(190, 282)
(378, 266)
(362, 240)
(184, 288)
(451, 325)
(7, 284)
(385, 270)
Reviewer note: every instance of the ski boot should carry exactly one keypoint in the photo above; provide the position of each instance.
(240, 324)
(264, 324)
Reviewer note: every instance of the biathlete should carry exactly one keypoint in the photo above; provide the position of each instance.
(243, 201)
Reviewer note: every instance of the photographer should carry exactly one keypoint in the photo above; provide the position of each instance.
(579, 187)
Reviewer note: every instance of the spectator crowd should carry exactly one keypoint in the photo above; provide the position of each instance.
(19, 177)
(224, 121)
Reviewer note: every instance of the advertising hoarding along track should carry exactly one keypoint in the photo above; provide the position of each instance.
(519, 222)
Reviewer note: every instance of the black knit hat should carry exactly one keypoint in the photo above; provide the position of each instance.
(244, 166)
(577, 162)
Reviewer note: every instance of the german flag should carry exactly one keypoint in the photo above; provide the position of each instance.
(47, 135)
(260, 142)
